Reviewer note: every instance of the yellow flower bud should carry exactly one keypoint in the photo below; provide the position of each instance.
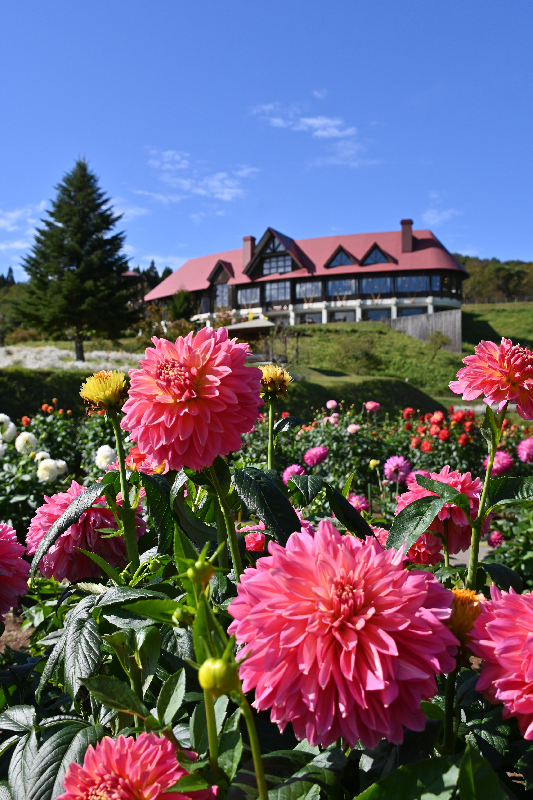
(466, 608)
(274, 382)
(104, 391)
(218, 676)
(373, 463)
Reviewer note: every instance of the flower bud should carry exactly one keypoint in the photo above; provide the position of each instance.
(202, 572)
(218, 676)
(466, 608)
(182, 617)
(373, 463)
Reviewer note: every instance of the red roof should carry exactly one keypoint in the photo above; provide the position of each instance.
(313, 254)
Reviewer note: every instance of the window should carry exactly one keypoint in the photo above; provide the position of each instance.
(450, 284)
(341, 259)
(248, 297)
(376, 286)
(277, 290)
(375, 257)
(342, 288)
(204, 305)
(342, 316)
(277, 265)
(412, 283)
(274, 247)
(377, 314)
(310, 319)
(312, 290)
(411, 312)
(222, 296)
(435, 283)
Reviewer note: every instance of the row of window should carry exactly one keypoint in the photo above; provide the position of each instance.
(282, 263)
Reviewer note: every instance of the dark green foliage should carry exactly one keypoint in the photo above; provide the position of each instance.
(23, 391)
(181, 305)
(8, 279)
(76, 263)
(491, 279)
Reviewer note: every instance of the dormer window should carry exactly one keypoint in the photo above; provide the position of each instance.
(342, 259)
(376, 256)
(276, 261)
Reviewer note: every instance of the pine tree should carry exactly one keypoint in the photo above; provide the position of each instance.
(76, 263)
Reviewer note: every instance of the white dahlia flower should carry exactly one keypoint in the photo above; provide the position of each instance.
(41, 454)
(10, 431)
(47, 470)
(105, 455)
(4, 419)
(25, 442)
(61, 466)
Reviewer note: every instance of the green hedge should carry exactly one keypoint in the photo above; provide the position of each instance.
(23, 391)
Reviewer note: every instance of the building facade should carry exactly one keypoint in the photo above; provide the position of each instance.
(346, 278)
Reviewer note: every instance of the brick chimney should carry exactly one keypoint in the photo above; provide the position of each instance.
(407, 235)
(248, 249)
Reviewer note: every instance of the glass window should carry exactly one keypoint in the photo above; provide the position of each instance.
(277, 290)
(312, 290)
(435, 283)
(275, 246)
(204, 305)
(222, 296)
(344, 287)
(343, 316)
(377, 314)
(375, 286)
(411, 312)
(311, 319)
(375, 257)
(248, 297)
(277, 265)
(341, 259)
(412, 284)
(450, 284)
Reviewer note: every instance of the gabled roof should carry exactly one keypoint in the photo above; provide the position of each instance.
(375, 246)
(225, 265)
(311, 257)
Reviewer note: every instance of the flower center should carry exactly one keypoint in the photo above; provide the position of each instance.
(346, 598)
(178, 379)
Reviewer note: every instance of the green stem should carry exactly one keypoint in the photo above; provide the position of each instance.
(270, 455)
(221, 535)
(256, 751)
(445, 545)
(230, 526)
(127, 512)
(212, 736)
(449, 698)
(135, 675)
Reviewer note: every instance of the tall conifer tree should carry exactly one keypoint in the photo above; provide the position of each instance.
(76, 265)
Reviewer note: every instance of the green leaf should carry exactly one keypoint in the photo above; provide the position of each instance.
(148, 647)
(223, 474)
(445, 491)
(158, 502)
(287, 422)
(198, 724)
(109, 570)
(81, 651)
(116, 694)
(230, 748)
(159, 610)
(263, 498)
(7, 743)
(428, 779)
(208, 635)
(76, 752)
(122, 643)
(21, 765)
(122, 594)
(510, 492)
(43, 772)
(69, 517)
(5, 794)
(184, 550)
(305, 488)
(489, 735)
(347, 485)
(413, 521)
(347, 514)
(322, 773)
(504, 577)
(171, 697)
(18, 718)
(198, 531)
(491, 430)
(477, 780)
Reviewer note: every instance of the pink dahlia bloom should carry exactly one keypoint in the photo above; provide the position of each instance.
(459, 530)
(502, 638)
(307, 527)
(63, 560)
(128, 769)
(13, 569)
(411, 478)
(316, 455)
(501, 373)
(525, 450)
(372, 406)
(340, 639)
(358, 501)
(191, 401)
(294, 469)
(255, 538)
(494, 539)
(426, 549)
(353, 428)
(396, 468)
(503, 463)
(331, 404)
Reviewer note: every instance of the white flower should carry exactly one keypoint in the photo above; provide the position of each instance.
(41, 454)
(61, 466)
(105, 455)
(25, 442)
(47, 470)
(3, 448)
(10, 432)
(4, 419)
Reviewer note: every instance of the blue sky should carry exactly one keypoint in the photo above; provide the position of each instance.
(206, 121)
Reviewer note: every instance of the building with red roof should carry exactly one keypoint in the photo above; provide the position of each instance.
(344, 278)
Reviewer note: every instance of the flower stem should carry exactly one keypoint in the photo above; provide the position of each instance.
(256, 752)
(212, 736)
(270, 455)
(445, 546)
(127, 512)
(449, 698)
(221, 534)
(230, 526)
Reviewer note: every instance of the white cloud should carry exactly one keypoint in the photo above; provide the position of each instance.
(18, 244)
(345, 153)
(320, 127)
(320, 94)
(162, 198)
(169, 160)
(21, 218)
(128, 211)
(162, 261)
(435, 216)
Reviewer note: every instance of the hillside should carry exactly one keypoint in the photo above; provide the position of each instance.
(494, 280)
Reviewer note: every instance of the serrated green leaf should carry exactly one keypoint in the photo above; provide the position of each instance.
(21, 765)
(158, 502)
(305, 488)
(347, 514)
(196, 530)
(263, 498)
(81, 651)
(287, 422)
(506, 491)
(171, 698)
(123, 594)
(5, 794)
(230, 748)
(413, 521)
(159, 610)
(20, 719)
(76, 752)
(43, 772)
(430, 779)
(445, 491)
(477, 780)
(116, 694)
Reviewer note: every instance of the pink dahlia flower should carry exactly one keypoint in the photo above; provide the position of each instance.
(396, 468)
(459, 529)
(63, 560)
(294, 469)
(191, 401)
(525, 450)
(502, 373)
(426, 549)
(503, 463)
(340, 639)
(13, 569)
(331, 404)
(255, 538)
(128, 769)
(316, 455)
(353, 428)
(502, 638)
(358, 501)
(307, 527)
(494, 539)
(411, 478)
(372, 406)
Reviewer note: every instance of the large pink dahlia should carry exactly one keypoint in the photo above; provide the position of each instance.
(316, 455)
(502, 638)
(501, 373)
(63, 560)
(191, 401)
(128, 769)
(525, 450)
(13, 569)
(340, 639)
(459, 529)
